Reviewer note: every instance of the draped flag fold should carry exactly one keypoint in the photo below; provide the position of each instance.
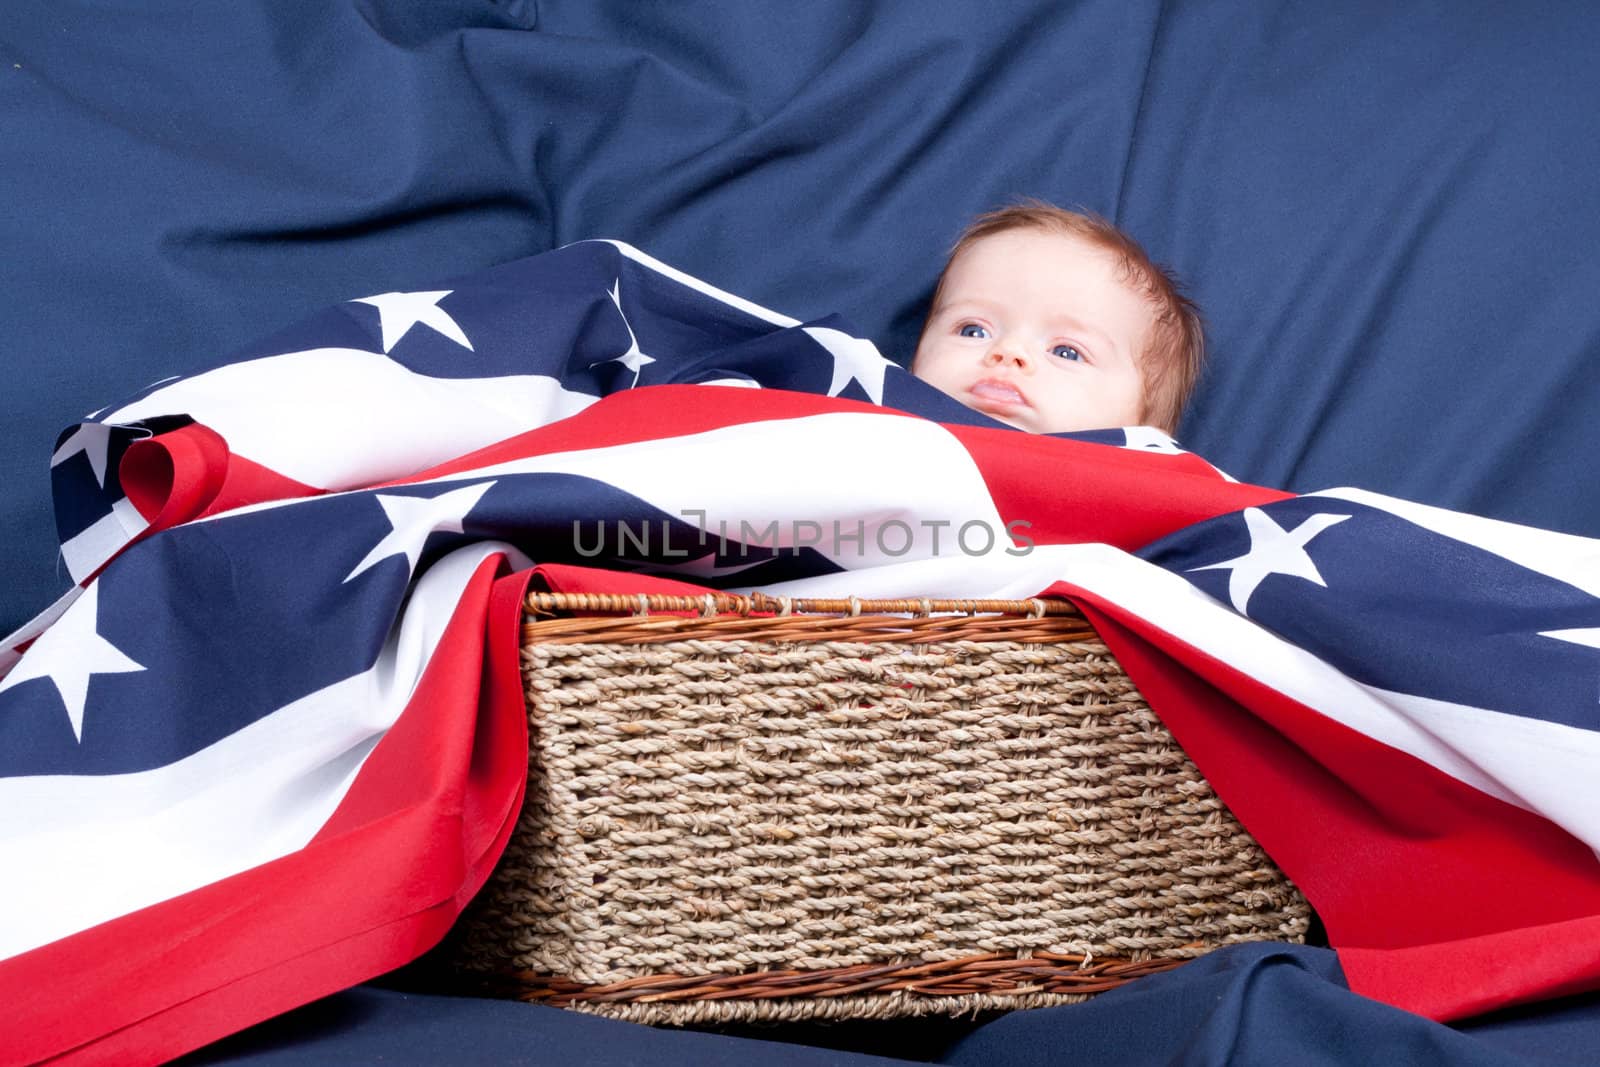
(275, 740)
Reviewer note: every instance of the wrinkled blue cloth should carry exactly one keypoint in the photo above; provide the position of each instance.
(1268, 1005)
(1384, 211)
(1246, 1006)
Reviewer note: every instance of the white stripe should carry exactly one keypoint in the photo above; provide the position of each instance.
(82, 849)
(336, 418)
(689, 280)
(793, 471)
(1565, 557)
(1581, 635)
(87, 551)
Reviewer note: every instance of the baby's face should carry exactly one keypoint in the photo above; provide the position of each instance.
(1035, 329)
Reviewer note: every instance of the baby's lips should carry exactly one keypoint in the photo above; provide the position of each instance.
(998, 391)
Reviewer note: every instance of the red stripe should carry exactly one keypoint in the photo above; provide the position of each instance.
(171, 478)
(653, 413)
(1459, 979)
(248, 482)
(1119, 496)
(1075, 492)
(1123, 497)
(423, 823)
(189, 473)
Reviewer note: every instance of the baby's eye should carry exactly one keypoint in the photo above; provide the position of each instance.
(973, 329)
(1066, 352)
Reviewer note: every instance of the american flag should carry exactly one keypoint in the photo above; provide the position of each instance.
(273, 740)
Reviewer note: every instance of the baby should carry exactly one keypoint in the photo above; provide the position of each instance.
(1054, 321)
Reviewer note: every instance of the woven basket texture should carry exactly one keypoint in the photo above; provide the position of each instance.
(724, 808)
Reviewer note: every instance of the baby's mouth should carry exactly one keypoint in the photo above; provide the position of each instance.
(999, 393)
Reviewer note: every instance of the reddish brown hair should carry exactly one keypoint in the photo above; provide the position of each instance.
(1176, 350)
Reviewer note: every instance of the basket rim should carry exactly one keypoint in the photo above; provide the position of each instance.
(991, 973)
(540, 604)
(641, 618)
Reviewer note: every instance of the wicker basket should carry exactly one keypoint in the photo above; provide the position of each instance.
(840, 809)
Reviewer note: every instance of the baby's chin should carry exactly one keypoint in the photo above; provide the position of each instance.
(1016, 419)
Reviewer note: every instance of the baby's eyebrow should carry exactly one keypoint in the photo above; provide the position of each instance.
(968, 303)
(1078, 326)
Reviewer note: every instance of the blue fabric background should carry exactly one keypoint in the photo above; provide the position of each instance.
(1247, 1006)
(1386, 211)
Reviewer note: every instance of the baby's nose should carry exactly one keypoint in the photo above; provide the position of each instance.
(1004, 354)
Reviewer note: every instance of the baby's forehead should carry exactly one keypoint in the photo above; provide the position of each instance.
(1062, 240)
(978, 264)
(1042, 251)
